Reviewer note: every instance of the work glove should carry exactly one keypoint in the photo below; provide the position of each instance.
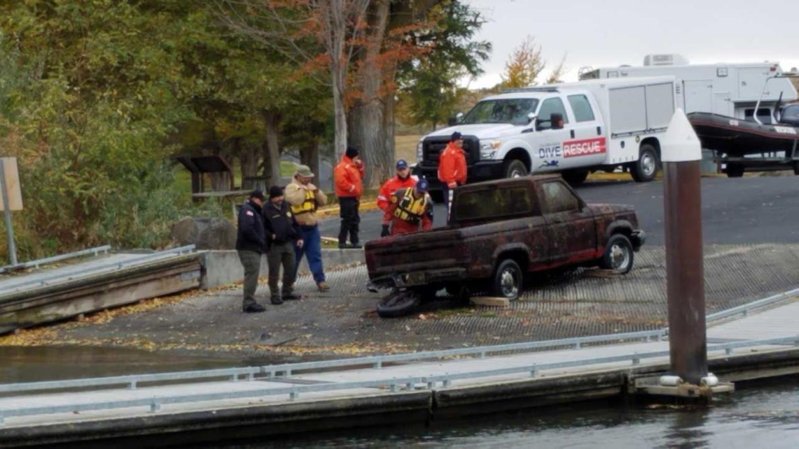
(385, 232)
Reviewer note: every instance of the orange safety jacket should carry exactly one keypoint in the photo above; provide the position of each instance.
(348, 178)
(452, 165)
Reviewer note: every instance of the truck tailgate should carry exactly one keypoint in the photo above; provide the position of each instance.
(439, 248)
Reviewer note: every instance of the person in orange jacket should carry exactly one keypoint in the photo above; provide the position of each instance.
(410, 210)
(401, 181)
(452, 166)
(348, 177)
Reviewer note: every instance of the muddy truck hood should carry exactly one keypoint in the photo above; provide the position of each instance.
(411, 252)
(615, 211)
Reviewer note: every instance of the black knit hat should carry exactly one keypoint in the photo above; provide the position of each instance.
(275, 191)
(352, 152)
(257, 193)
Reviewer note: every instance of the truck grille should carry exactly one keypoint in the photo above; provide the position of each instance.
(433, 146)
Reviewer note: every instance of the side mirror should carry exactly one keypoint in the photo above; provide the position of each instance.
(556, 120)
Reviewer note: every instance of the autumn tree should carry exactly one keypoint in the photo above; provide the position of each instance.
(524, 65)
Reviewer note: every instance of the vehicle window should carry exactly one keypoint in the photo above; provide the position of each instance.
(507, 110)
(558, 198)
(493, 203)
(549, 107)
(582, 108)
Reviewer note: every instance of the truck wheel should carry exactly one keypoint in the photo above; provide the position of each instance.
(508, 280)
(645, 169)
(735, 170)
(574, 177)
(398, 303)
(618, 255)
(515, 168)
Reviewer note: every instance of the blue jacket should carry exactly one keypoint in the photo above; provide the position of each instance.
(251, 235)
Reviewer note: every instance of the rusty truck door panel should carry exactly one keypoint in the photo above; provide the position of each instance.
(570, 222)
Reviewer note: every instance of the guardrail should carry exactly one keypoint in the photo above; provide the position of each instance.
(38, 262)
(118, 265)
(392, 384)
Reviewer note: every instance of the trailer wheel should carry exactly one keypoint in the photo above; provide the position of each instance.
(508, 280)
(735, 170)
(619, 255)
(515, 168)
(398, 303)
(574, 177)
(646, 167)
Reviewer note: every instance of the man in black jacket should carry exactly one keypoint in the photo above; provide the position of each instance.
(251, 244)
(282, 231)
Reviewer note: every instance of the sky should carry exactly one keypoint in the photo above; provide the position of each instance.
(601, 33)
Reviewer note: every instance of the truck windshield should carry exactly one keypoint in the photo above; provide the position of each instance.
(510, 110)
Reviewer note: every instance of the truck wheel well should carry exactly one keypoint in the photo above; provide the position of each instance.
(654, 142)
(520, 154)
(519, 255)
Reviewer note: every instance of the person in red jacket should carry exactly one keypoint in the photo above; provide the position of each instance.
(452, 166)
(410, 210)
(402, 180)
(348, 177)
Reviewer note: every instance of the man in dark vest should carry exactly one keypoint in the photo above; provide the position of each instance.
(282, 233)
(251, 244)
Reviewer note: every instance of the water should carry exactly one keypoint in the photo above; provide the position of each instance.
(763, 417)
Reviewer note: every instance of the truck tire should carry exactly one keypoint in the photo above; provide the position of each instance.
(398, 303)
(735, 170)
(619, 254)
(574, 177)
(508, 280)
(514, 168)
(646, 167)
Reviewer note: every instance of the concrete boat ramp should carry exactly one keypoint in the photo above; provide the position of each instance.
(756, 341)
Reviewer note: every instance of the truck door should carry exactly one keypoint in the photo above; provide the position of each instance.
(586, 145)
(571, 224)
(548, 144)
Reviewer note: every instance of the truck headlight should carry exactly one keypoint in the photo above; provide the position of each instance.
(488, 147)
(419, 151)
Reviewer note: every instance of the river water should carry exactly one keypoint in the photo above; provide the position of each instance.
(765, 415)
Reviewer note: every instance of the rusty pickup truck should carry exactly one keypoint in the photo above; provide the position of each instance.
(498, 232)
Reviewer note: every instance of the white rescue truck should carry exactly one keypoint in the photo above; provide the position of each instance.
(571, 128)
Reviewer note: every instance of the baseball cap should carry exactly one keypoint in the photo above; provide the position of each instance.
(402, 164)
(456, 136)
(422, 185)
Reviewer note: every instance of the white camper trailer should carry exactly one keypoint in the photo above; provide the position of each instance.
(731, 90)
(739, 111)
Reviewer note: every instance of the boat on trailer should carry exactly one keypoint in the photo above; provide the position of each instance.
(737, 141)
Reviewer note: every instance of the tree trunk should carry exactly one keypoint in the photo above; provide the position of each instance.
(309, 155)
(368, 116)
(271, 149)
(249, 157)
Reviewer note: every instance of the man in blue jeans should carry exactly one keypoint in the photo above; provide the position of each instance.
(305, 198)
